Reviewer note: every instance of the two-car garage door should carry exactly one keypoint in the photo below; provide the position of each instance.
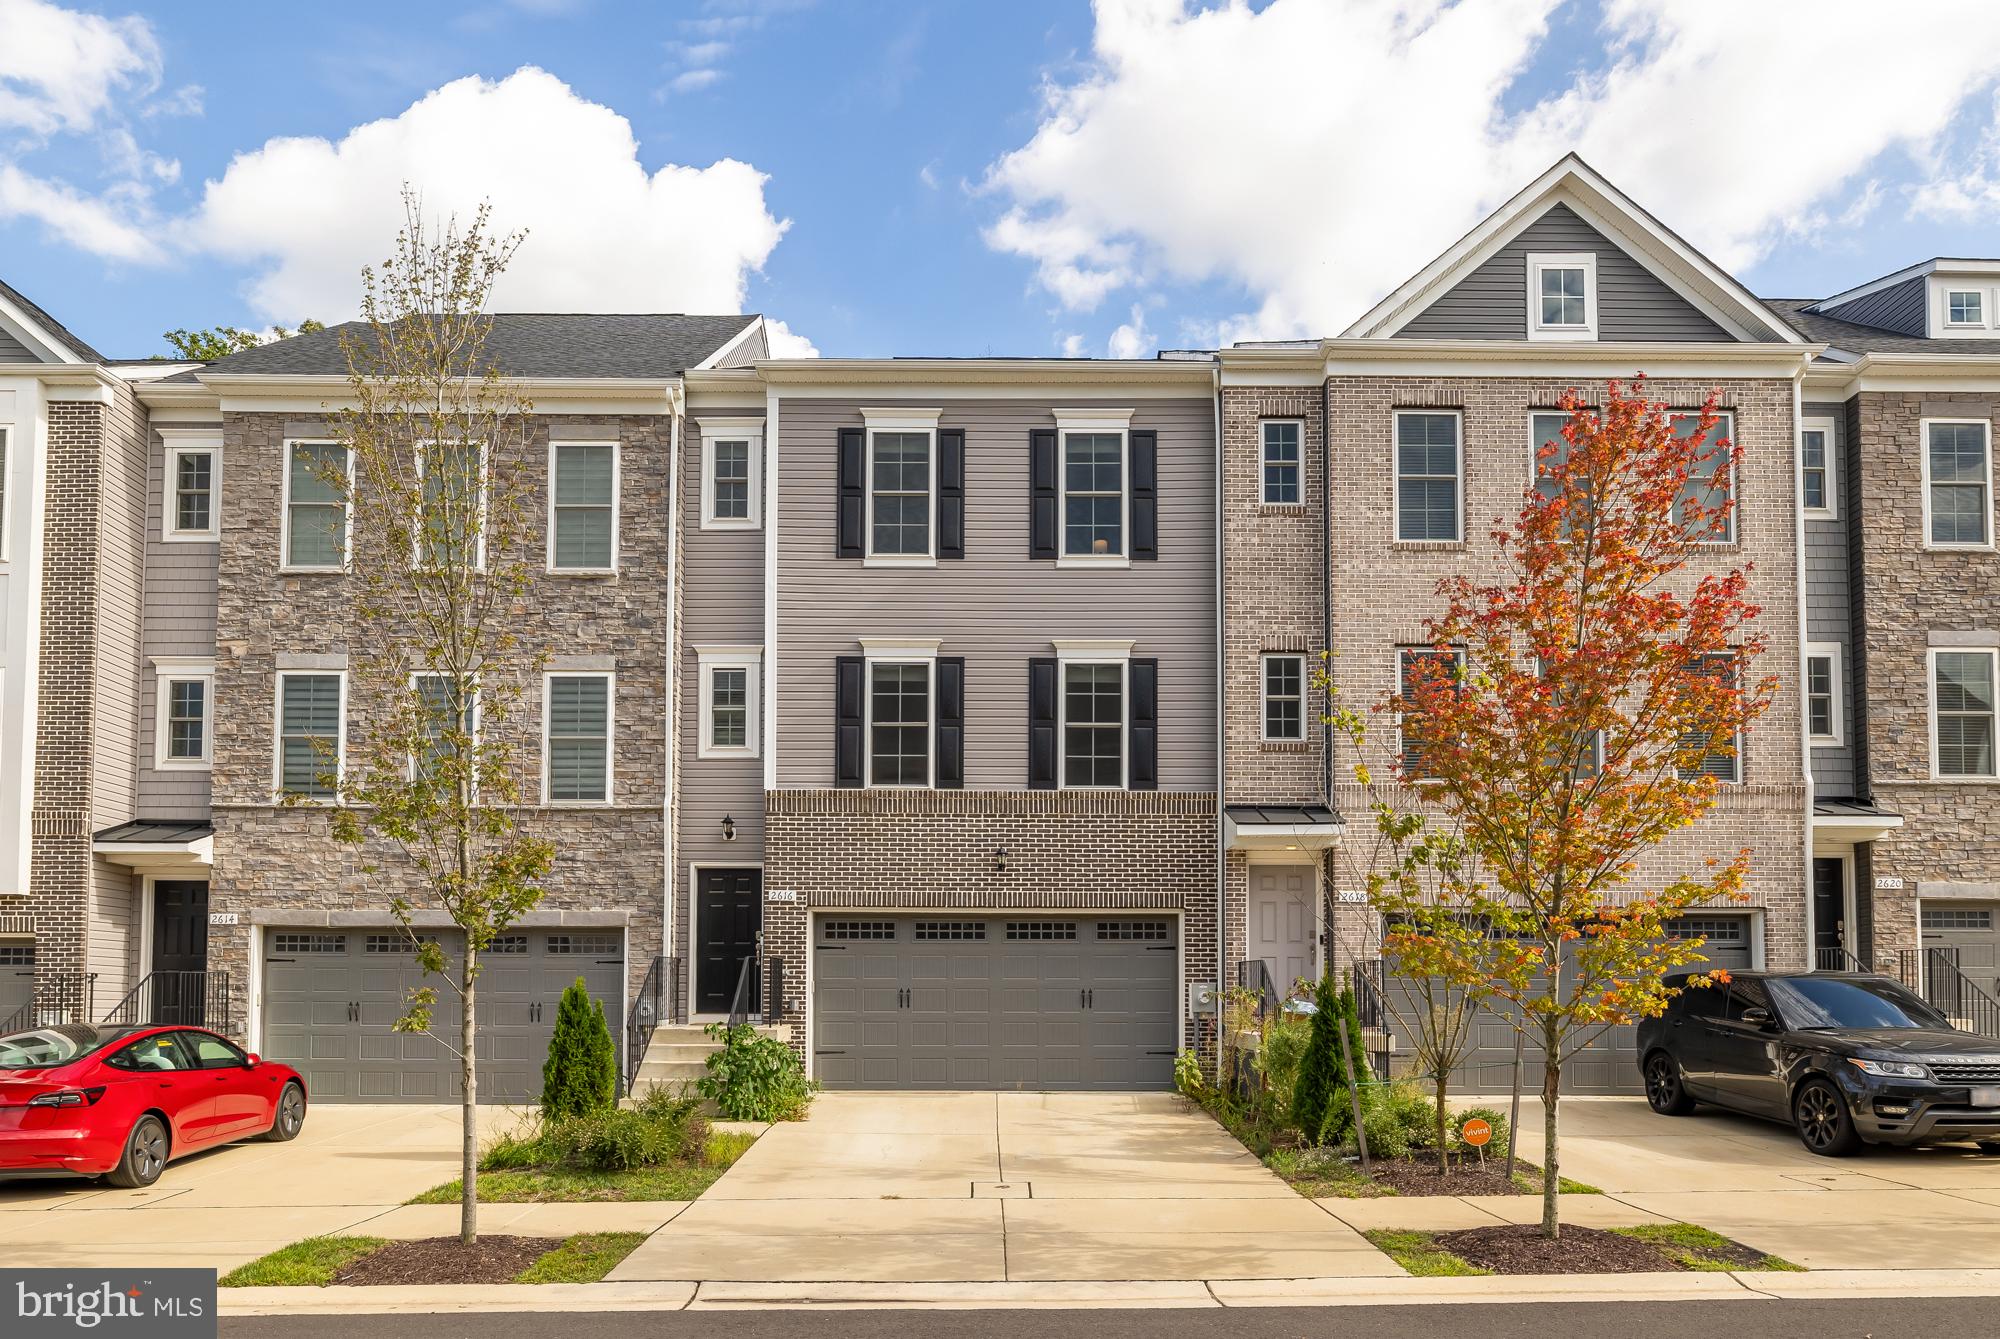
(961, 1000)
(332, 997)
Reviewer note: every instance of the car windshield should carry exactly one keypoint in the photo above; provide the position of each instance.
(40, 1048)
(1811, 1002)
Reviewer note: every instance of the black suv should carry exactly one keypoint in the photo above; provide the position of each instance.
(1845, 1059)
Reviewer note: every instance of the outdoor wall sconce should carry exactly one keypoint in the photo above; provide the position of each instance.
(728, 828)
(1000, 860)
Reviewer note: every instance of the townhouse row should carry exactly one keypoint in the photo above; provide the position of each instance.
(958, 716)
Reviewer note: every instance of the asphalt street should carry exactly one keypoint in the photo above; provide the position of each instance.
(1864, 1319)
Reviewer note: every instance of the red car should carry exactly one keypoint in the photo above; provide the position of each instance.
(120, 1102)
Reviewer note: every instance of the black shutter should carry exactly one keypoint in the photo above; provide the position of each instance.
(1042, 753)
(1042, 493)
(853, 479)
(951, 493)
(949, 737)
(849, 683)
(1144, 679)
(1145, 496)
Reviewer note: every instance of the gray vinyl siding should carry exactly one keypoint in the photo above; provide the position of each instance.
(1830, 607)
(1899, 307)
(113, 933)
(179, 621)
(996, 607)
(121, 547)
(14, 351)
(1632, 302)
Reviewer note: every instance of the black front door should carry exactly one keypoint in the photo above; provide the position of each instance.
(728, 914)
(178, 993)
(1829, 913)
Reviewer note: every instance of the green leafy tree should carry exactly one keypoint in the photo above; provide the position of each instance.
(581, 1073)
(216, 342)
(1321, 1098)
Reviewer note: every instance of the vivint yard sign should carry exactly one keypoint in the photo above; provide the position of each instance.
(158, 1303)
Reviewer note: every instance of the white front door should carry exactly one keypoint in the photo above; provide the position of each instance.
(1281, 923)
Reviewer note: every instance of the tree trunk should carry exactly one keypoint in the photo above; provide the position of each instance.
(1443, 1079)
(1551, 1158)
(468, 1161)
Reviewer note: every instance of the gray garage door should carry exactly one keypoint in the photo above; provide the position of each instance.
(968, 1001)
(17, 976)
(1610, 1064)
(331, 999)
(1968, 932)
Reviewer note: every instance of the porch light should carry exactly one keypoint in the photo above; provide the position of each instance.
(728, 828)
(1000, 860)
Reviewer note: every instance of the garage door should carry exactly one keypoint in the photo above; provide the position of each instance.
(993, 1002)
(1610, 1064)
(17, 977)
(1966, 931)
(331, 1000)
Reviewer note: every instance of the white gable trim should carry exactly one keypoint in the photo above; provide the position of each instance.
(33, 333)
(1710, 289)
(729, 346)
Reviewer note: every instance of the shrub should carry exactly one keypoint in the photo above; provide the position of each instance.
(1398, 1119)
(1493, 1116)
(581, 1073)
(1187, 1076)
(1285, 1038)
(754, 1077)
(1321, 1107)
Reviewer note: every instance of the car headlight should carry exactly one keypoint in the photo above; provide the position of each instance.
(1891, 1069)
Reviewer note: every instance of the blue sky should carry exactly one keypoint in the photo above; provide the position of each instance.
(967, 178)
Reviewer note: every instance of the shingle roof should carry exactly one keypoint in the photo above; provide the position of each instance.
(529, 344)
(1855, 338)
(52, 325)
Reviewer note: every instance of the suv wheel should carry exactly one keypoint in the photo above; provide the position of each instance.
(1664, 1091)
(1820, 1115)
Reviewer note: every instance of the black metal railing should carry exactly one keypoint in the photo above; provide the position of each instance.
(55, 997)
(1837, 960)
(1254, 975)
(774, 993)
(188, 999)
(1934, 974)
(743, 1000)
(656, 988)
(1371, 994)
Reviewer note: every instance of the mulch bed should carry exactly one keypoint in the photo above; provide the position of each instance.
(1411, 1176)
(448, 1260)
(1522, 1249)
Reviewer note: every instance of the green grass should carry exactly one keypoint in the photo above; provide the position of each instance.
(584, 1258)
(557, 1185)
(1530, 1182)
(311, 1263)
(1421, 1255)
(1694, 1247)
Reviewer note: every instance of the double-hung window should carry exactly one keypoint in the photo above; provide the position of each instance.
(1823, 692)
(1427, 475)
(1962, 712)
(899, 703)
(902, 487)
(1705, 754)
(312, 741)
(1093, 723)
(1283, 450)
(447, 722)
(576, 738)
(1562, 295)
(583, 506)
(451, 530)
(732, 452)
(1284, 698)
(1419, 666)
(184, 713)
(1958, 484)
(1545, 430)
(193, 485)
(1816, 469)
(731, 686)
(1095, 477)
(1710, 488)
(318, 476)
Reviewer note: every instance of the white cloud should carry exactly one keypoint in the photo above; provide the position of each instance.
(61, 70)
(104, 225)
(1132, 340)
(604, 233)
(785, 344)
(1314, 154)
(688, 81)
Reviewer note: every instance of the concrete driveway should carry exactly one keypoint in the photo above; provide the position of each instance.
(986, 1187)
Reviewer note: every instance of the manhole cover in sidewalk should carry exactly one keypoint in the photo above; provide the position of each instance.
(1002, 1190)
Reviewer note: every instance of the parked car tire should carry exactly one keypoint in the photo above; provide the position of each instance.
(145, 1155)
(1819, 1114)
(1665, 1092)
(290, 1116)
(1991, 1146)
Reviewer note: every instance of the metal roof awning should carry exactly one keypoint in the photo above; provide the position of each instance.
(1851, 820)
(1281, 827)
(177, 843)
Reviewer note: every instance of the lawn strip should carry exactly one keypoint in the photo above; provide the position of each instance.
(311, 1263)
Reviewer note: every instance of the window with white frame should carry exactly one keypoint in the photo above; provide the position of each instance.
(1816, 469)
(448, 720)
(1420, 667)
(731, 684)
(1283, 441)
(311, 738)
(732, 451)
(1093, 725)
(1965, 306)
(901, 470)
(576, 738)
(1823, 692)
(1284, 698)
(1427, 475)
(583, 506)
(193, 487)
(1562, 295)
(1094, 475)
(1718, 757)
(1962, 712)
(183, 713)
(317, 477)
(1958, 484)
(1707, 496)
(452, 517)
(899, 700)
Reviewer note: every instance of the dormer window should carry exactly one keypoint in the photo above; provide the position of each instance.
(1562, 296)
(1965, 306)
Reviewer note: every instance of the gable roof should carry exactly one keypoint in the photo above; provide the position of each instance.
(529, 344)
(1573, 182)
(17, 311)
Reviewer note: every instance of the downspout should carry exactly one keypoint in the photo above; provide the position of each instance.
(1805, 729)
(1221, 735)
(669, 809)
(1326, 642)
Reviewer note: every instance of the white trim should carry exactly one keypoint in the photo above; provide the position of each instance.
(1094, 422)
(709, 659)
(1831, 489)
(1098, 650)
(610, 678)
(1981, 301)
(1070, 655)
(1930, 689)
(694, 873)
(770, 731)
(278, 731)
(1924, 461)
(1403, 649)
(1835, 652)
(922, 422)
(1396, 473)
(1955, 277)
(898, 651)
(1264, 659)
(182, 442)
(478, 720)
(755, 325)
(37, 337)
(750, 431)
(168, 670)
(417, 535)
(1538, 261)
(1264, 462)
(556, 447)
(1725, 421)
(285, 567)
